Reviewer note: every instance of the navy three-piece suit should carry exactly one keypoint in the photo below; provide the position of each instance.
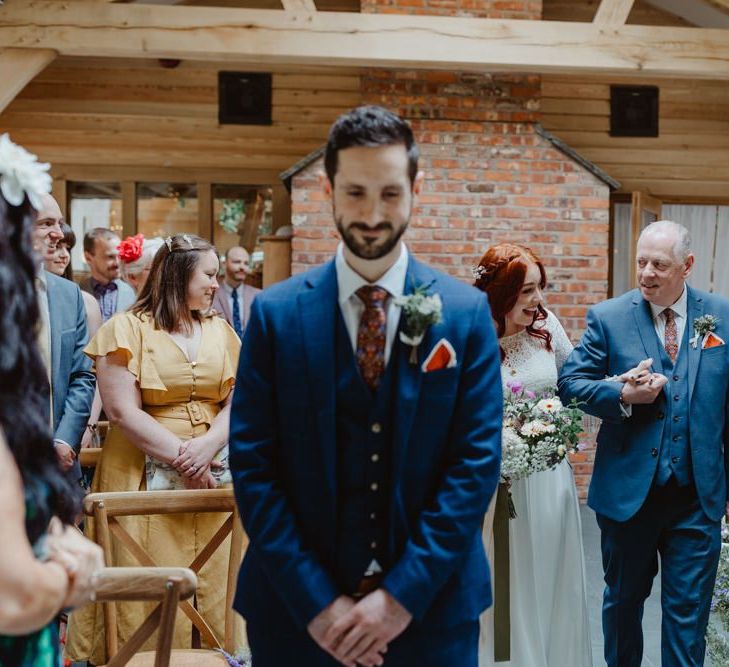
(329, 475)
(660, 477)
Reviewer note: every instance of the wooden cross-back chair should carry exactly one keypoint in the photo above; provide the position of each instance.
(169, 585)
(107, 508)
(89, 456)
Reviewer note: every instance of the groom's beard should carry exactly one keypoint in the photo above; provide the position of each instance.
(369, 248)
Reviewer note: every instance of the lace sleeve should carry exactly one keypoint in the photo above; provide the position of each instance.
(561, 344)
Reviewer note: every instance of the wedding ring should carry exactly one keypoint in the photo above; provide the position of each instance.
(194, 468)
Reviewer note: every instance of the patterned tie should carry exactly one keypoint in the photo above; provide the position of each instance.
(237, 324)
(671, 335)
(371, 335)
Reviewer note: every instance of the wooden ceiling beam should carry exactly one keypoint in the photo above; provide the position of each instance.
(276, 37)
(613, 12)
(18, 67)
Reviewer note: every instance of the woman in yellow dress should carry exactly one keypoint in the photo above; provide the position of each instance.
(166, 373)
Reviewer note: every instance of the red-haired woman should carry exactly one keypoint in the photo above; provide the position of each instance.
(549, 623)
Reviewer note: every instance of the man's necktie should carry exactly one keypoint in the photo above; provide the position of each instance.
(237, 324)
(371, 335)
(671, 334)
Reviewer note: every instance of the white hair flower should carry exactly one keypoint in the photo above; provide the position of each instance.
(21, 174)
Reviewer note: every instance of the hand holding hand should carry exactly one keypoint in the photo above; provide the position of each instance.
(65, 454)
(194, 458)
(644, 393)
(638, 375)
(361, 636)
(80, 557)
(204, 481)
(321, 623)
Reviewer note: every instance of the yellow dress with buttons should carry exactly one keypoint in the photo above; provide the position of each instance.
(184, 397)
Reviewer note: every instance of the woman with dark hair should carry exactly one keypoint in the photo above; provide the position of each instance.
(548, 606)
(46, 565)
(166, 372)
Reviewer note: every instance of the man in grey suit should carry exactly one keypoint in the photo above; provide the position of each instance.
(62, 339)
(102, 255)
(233, 300)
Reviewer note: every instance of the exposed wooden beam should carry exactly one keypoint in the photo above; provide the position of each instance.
(17, 69)
(363, 40)
(613, 12)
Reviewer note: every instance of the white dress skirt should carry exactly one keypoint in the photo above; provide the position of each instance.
(548, 605)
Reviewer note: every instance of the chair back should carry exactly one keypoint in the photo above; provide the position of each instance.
(169, 585)
(107, 508)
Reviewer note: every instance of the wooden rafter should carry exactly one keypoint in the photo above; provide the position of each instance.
(367, 40)
(720, 4)
(17, 69)
(613, 12)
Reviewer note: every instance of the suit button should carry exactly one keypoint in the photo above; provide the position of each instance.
(373, 545)
(373, 516)
(376, 427)
(676, 378)
(654, 452)
(375, 458)
(660, 415)
(373, 486)
(676, 418)
(676, 397)
(674, 459)
(675, 438)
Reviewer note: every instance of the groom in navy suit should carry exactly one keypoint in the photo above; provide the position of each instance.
(659, 484)
(362, 468)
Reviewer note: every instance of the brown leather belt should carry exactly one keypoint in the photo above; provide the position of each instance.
(366, 585)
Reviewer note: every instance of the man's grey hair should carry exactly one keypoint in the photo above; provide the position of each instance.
(682, 247)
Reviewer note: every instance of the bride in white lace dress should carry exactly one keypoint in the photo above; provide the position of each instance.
(548, 607)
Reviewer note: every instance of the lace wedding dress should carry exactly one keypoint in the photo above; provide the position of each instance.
(549, 622)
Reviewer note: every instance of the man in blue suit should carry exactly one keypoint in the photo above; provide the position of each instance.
(62, 340)
(362, 468)
(659, 484)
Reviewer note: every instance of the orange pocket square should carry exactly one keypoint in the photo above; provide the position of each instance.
(441, 356)
(711, 340)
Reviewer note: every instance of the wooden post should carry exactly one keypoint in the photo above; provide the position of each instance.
(129, 208)
(276, 259)
(205, 211)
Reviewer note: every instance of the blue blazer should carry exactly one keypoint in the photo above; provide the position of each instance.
(73, 381)
(620, 333)
(283, 453)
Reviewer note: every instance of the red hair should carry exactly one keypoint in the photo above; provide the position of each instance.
(501, 274)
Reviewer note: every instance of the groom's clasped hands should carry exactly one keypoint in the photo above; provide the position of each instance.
(358, 632)
(642, 386)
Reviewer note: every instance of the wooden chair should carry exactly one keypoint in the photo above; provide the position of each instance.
(89, 456)
(169, 585)
(106, 508)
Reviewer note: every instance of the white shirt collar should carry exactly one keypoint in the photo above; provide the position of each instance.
(680, 308)
(349, 281)
(228, 289)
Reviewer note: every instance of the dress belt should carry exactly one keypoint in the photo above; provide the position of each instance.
(196, 412)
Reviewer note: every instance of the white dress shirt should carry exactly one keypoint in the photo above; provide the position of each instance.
(680, 311)
(352, 307)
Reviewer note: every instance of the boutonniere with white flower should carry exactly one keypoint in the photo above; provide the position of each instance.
(420, 309)
(703, 326)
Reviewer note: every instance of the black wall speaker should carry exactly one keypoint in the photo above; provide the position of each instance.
(244, 98)
(633, 111)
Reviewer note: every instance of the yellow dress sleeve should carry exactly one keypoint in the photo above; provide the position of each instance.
(231, 347)
(122, 333)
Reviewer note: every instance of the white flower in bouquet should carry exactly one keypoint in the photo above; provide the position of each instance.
(536, 428)
(549, 406)
(514, 454)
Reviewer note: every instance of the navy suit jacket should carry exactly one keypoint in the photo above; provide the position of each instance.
(283, 453)
(620, 333)
(73, 381)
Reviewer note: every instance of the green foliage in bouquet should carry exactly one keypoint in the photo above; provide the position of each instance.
(717, 644)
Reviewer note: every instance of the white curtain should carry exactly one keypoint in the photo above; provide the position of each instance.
(85, 215)
(621, 248)
(721, 261)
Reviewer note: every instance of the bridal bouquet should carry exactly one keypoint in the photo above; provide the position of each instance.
(538, 432)
(717, 632)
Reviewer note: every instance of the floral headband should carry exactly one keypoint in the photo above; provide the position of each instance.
(21, 174)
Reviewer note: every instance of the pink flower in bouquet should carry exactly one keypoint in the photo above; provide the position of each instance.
(530, 394)
(515, 386)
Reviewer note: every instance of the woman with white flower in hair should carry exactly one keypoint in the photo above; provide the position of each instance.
(546, 582)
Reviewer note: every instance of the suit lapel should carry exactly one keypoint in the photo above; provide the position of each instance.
(55, 317)
(695, 308)
(318, 305)
(647, 331)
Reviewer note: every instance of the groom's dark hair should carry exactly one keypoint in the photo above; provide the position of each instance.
(369, 126)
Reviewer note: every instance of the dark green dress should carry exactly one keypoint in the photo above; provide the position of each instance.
(41, 648)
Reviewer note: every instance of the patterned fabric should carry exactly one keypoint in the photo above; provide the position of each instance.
(671, 335)
(371, 334)
(106, 295)
(237, 324)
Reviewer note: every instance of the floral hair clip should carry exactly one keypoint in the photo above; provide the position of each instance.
(186, 238)
(478, 272)
(21, 174)
(168, 243)
(130, 249)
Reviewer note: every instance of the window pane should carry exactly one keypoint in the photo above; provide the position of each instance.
(92, 205)
(164, 209)
(621, 269)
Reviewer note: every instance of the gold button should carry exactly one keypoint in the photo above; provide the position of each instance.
(373, 486)
(375, 458)
(376, 427)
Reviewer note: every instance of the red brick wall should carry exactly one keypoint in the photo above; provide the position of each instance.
(489, 177)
